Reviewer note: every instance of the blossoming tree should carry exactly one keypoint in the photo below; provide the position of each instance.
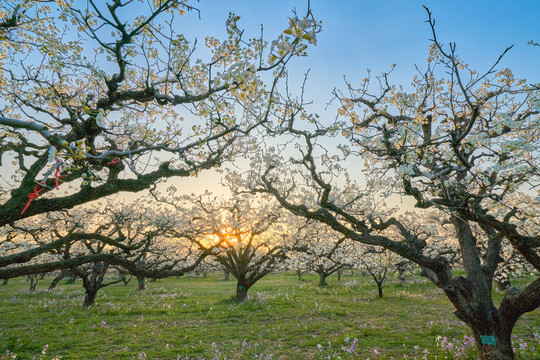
(321, 250)
(462, 142)
(101, 97)
(379, 264)
(244, 234)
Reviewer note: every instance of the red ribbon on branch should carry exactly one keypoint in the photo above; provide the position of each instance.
(32, 196)
(57, 176)
(114, 161)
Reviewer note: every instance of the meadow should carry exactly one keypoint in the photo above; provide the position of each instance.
(283, 318)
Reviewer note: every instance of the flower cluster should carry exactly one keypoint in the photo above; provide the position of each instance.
(298, 30)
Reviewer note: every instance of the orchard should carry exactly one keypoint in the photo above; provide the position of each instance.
(142, 146)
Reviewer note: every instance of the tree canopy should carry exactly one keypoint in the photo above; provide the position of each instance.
(103, 97)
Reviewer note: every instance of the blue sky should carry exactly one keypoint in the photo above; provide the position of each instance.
(361, 34)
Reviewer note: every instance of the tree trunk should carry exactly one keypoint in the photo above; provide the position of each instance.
(491, 327)
(93, 281)
(299, 274)
(142, 282)
(226, 272)
(379, 286)
(322, 279)
(242, 288)
(493, 338)
(339, 275)
(90, 296)
(472, 298)
(33, 282)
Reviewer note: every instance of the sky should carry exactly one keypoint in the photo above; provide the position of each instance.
(360, 35)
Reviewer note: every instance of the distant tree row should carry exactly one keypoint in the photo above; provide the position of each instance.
(246, 236)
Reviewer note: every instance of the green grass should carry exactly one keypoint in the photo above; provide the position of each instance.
(284, 318)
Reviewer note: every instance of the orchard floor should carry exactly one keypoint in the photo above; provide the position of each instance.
(197, 318)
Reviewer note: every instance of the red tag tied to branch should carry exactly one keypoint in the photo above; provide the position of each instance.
(32, 196)
(57, 176)
(114, 161)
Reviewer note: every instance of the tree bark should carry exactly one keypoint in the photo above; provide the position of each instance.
(491, 327)
(322, 279)
(57, 279)
(90, 296)
(142, 283)
(242, 288)
(502, 350)
(492, 334)
(34, 279)
(379, 280)
(93, 281)
(472, 298)
(379, 287)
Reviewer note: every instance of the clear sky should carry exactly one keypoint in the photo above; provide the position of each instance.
(360, 34)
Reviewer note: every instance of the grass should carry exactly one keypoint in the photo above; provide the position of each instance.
(197, 318)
